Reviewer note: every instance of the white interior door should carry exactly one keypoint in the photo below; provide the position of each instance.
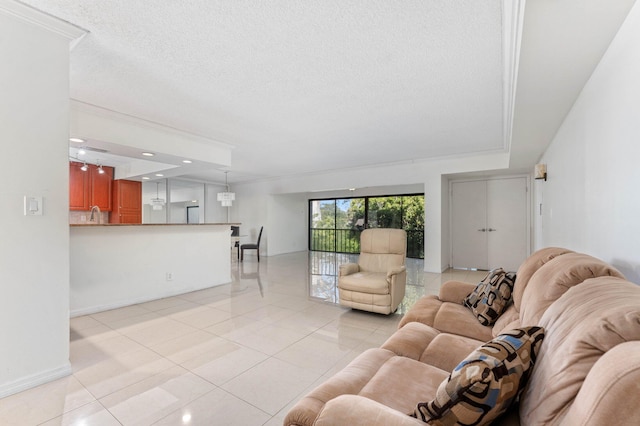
(507, 222)
(469, 225)
(489, 225)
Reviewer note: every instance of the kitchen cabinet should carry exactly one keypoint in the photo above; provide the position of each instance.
(78, 187)
(101, 187)
(127, 202)
(90, 188)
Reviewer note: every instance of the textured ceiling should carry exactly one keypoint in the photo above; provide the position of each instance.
(309, 86)
(298, 86)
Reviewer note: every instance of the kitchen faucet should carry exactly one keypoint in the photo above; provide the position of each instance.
(93, 210)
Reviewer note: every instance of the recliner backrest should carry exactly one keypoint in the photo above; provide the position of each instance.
(555, 278)
(529, 267)
(382, 249)
(581, 326)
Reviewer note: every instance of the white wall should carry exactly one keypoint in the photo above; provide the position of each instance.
(255, 204)
(34, 253)
(591, 199)
(123, 265)
(289, 213)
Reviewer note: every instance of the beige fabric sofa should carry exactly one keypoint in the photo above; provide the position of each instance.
(377, 282)
(588, 367)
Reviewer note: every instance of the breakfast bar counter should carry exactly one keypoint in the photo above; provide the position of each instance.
(115, 265)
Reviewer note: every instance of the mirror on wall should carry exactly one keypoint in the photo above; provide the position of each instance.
(154, 201)
(185, 198)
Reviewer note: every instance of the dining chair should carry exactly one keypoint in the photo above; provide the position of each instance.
(251, 246)
(235, 233)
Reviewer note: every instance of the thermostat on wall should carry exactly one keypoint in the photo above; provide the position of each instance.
(32, 206)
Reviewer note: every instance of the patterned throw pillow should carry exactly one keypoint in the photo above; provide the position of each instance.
(491, 296)
(485, 383)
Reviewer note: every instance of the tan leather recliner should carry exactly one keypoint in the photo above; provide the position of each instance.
(377, 282)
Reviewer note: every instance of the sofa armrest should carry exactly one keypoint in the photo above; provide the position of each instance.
(395, 271)
(455, 291)
(348, 269)
(354, 410)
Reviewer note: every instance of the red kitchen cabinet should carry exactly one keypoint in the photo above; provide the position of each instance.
(90, 188)
(127, 202)
(78, 187)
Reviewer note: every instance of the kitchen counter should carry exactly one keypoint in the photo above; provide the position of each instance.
(115, 265)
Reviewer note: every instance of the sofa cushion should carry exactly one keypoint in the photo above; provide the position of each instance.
(427, 345)
(491, 296)
(402, 382)
(484, 384)
(448, 350)
(458, 319)
(509, 320)
(446, 317)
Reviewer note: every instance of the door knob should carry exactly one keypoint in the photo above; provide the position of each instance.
(482, 230)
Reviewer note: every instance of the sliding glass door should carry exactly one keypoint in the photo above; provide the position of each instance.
(335, 224)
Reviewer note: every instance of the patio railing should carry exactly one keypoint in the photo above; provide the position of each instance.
(348, 241)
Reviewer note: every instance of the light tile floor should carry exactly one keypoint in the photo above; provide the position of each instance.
(237, 354)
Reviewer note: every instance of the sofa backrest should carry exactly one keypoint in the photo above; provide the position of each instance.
(529, 267)
(580, 327)
(554, 278)
(542, 278)
(382, 249)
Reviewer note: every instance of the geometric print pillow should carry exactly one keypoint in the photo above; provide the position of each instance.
(491, 296)
(485, 383)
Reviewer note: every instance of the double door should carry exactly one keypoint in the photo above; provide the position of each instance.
(489, 225)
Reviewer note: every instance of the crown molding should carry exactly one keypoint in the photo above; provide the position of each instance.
(513, 21)
(33, 16)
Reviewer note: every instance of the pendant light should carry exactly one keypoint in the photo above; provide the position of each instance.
(157, 203)
(227, 197)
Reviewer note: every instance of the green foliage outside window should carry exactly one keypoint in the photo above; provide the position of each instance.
(336, 224)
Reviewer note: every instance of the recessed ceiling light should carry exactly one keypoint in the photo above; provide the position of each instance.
(159, 174)
(82, 152)
(187, 161)
(145, 178)
(148, 154)
(76, 140)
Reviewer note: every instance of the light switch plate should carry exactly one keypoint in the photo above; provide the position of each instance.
(32, 206)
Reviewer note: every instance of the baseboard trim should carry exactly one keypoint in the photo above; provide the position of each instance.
(122, 303)
(35, 380)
